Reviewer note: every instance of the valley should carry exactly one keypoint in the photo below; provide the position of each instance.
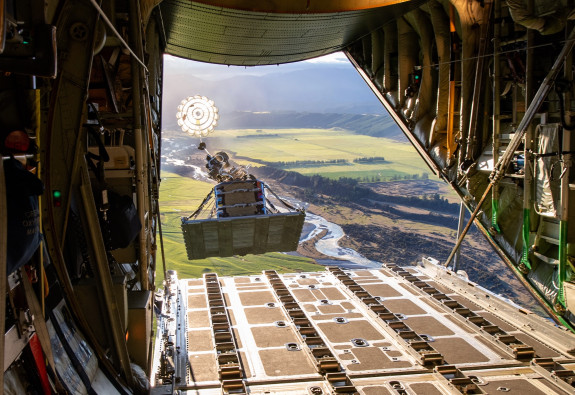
(392, 221)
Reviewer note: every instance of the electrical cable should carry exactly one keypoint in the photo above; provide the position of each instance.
(561, 87)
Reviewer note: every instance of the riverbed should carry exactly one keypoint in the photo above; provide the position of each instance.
(329, 244)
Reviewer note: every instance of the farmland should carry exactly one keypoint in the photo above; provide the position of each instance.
(386, 228)
(248, 146)
(180, 196)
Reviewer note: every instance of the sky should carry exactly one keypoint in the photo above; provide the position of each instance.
(328, 84)
(215, 71)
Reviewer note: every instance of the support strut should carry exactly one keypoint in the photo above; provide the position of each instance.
(505, 160)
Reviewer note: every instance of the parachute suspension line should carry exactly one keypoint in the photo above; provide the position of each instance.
(211, 208)
(280, 199)
(271, 206)
(199, 209)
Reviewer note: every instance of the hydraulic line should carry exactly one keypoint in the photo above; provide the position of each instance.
(561, 88)
(140, 145)
(564, 218)
(503, 163)
(527, 150)
(496, 111)
(468, 151)
(105, 278)
(451, 142)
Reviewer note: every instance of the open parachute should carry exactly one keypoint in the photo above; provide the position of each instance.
(236, 218)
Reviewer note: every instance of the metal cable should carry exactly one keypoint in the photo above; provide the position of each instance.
(111, 26)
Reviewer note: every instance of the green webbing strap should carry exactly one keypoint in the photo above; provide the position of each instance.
(494, 211)
(525, 236)
(562, 274)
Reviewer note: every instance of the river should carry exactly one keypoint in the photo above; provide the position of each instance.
(329, 244)
(314, 225)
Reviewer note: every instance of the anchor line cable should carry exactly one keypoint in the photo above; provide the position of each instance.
(111, 26)
(488, 55)
(161, 241)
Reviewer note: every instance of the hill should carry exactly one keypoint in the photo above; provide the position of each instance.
(321, 96)
(313, 89)
(366, 124)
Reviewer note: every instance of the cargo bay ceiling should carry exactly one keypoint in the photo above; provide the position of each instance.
(459, 77)
(248, 33)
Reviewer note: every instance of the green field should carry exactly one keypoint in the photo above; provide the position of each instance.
(180, 196)
(274, 145)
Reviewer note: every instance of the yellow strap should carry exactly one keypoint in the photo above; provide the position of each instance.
(40, 326)
(3, 259)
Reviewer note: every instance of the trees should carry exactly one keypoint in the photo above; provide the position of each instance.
(371, 159)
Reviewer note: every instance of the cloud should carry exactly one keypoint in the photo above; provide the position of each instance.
(212, 71)
(217, 72)
(333, 58)
(173, 61)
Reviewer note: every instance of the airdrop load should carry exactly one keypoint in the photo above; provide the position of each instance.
(237, 217)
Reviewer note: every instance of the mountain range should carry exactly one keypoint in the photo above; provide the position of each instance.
(302, 96)
(366, 124)
(314, 89)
